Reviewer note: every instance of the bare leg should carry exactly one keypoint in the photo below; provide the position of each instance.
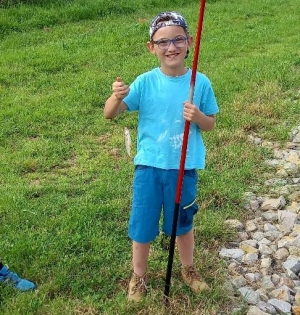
(140, 254)
(185, 244)
(189, 274)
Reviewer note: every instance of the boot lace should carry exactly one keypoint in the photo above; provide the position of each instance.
(192, 274)
(140, 284)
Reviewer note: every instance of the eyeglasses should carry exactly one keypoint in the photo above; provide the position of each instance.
(164, 44)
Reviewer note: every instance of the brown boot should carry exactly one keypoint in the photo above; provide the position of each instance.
(137, 288)
(192, 278)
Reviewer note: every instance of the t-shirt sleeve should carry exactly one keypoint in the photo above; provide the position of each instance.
(208, 103)
(132, 100)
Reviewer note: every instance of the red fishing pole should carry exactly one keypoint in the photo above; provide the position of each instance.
(183, 154)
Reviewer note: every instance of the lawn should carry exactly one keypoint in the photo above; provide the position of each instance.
(64, 173)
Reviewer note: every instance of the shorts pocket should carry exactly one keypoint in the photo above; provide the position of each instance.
(190, 173)
(141, 167)
(186, 214)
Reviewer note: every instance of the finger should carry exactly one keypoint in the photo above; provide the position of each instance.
(120, 83)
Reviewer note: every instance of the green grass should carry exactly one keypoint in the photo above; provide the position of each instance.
(64, 174)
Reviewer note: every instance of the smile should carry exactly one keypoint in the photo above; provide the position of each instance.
(172, 55)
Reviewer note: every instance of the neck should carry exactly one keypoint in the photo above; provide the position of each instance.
(174, 72)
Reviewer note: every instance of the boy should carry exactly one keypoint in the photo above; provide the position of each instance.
(160, 97)
(9, 277)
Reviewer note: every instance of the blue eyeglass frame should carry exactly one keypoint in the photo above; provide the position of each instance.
(157, 42)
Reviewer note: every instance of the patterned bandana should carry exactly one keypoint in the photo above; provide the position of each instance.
(167, 19)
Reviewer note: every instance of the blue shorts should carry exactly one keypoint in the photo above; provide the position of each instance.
(154, 192)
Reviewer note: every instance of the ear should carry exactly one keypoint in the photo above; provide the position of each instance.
(190, 41)
(150, 47)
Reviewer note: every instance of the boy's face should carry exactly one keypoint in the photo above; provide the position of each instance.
(172, 57)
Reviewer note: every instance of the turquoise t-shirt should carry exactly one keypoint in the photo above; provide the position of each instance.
(159, 100)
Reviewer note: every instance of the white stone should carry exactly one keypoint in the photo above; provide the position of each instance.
(252, 277)
(281, 254)
(275, 278)
(278, 154)
(265, 272)
(252, 243)
(248, 249)
(281, 294)
(258, 236)
(282, 173)
(296, 241)
(235, 224)
(269, 227)
(270, 216)
(251, 296)
(286, 220)
(291, 168)
(293, 265)
(263, 294)
(297, 299)
(234, 253)
(239, 281)
(250, 226)
(294, 207)
(285, 281)
(273, 162)
(297, 289)
(294, 250)
(254, 310)
(295, 196)
(266, 263)
(264, 241)
(275, 182)
(293, 157)
(242, 235)
(265, 250)
(273, 235)
(273, 204)
(281, 306)
(254, 205)
(267, 283)
(267, 308)
(286, 241)
(250, 259)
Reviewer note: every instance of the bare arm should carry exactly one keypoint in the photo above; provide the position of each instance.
(114, 105)
(192, 114)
